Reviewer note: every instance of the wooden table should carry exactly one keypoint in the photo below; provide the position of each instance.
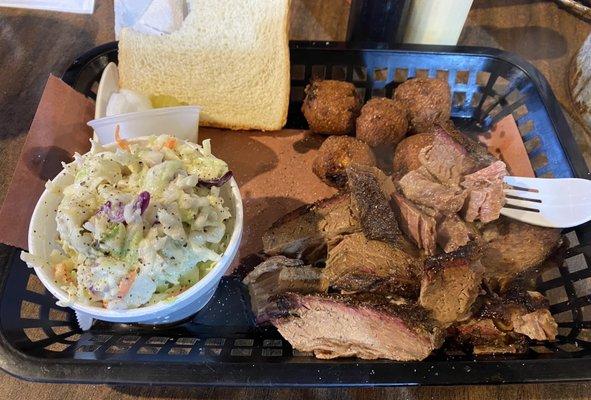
(34, 44)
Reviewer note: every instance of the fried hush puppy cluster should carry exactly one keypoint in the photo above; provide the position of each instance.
(335, 108)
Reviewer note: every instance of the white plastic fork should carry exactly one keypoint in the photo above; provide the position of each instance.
(553, 203)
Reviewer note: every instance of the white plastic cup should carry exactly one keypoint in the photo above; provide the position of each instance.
(181, 122)
(43, 238)
(436, 21)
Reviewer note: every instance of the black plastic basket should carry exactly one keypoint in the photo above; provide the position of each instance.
(222, 346)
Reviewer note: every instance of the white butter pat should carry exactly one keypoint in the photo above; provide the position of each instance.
(127, 101)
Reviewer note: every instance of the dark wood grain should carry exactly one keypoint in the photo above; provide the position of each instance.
(34, 44)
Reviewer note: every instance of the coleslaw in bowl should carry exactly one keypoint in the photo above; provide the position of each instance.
(142, 225)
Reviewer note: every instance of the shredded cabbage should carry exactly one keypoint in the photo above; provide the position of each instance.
(135, 226)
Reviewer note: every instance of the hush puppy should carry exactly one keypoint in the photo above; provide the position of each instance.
(428, 102)
(382, 123)
(336, 154)
(331, 107)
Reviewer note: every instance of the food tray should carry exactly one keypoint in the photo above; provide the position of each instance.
(221, 345)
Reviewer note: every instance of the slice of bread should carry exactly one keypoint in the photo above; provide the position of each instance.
(231, 57)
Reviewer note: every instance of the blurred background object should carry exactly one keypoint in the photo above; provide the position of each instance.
(73, 6)
(580, 82)
(582, 8)
(436, 21)
(387, 22)
(377, 21)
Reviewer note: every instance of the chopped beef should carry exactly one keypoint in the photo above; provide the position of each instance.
(305, 232)
(451, 283)
(475, 201)
(420, 187)
(277, 275)
(513, 247)
(485, 193)
(484, 338)
(369, 196)
(416, 223)
(452, 233)
(537, 325)
(358, 264)
(522, 312)
(527, 279)
(406, 156)
(363, 325)
(446, 159)
(477, 151)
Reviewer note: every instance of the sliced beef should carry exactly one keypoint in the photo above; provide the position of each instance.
(362, 325)
(416, 223)
(451, 283)
(484, 337)
(446, 159)
(277, 275)
(485, 193)
(420, 187)
(522, 312)
(513, 247)
(370, 192)
(358, 264)
(305, 232)
(452, 233)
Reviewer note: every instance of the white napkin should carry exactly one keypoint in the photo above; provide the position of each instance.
(154, 17)
(73, 6)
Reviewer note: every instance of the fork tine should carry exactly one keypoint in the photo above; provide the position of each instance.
(521, 182)
(523, 194)
(529, 217)
(545, 219)
(523, 203)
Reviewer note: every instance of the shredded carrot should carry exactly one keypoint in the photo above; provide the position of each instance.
(126, 283)
(122, 143)
(170, 143)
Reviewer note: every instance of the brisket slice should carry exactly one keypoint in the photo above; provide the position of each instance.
(420, 187)
(452, 233)
(370, 192)
(305, 232)
(485, 193)
(416, 223)
(362, 325)
(277, 275)
(451, 283)
(484, 337)
(358, 264)
(513, 247)
(446, 159)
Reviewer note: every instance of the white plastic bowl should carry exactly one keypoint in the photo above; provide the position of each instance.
(181, 122)
(43, 238)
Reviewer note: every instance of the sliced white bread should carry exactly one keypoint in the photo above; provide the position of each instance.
(231, 57)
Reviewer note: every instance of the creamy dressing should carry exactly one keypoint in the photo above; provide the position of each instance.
(140, 224)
